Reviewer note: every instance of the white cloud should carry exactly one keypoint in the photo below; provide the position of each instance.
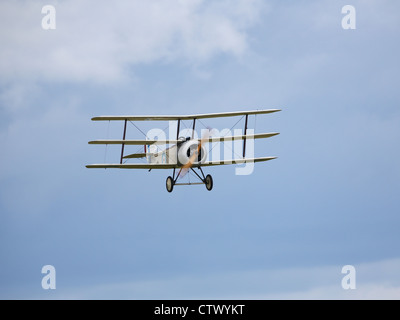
(367, 292)
(98, 41)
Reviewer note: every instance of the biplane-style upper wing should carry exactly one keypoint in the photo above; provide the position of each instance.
(184, 117)
(172, 166)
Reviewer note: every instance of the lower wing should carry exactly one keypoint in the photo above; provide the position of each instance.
(172, 166)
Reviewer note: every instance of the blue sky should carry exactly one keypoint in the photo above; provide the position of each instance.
(284, 232)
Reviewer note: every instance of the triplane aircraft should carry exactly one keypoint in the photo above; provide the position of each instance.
(185, 153)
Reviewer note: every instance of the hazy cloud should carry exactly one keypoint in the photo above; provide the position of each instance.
(374, 280)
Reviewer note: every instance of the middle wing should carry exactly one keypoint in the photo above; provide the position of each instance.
(134, 142)
(210, 139)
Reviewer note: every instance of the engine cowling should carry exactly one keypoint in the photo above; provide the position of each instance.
(188, 149)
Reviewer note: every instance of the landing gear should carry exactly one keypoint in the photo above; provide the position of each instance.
(169, 184)
(172, 181)
(208, 181)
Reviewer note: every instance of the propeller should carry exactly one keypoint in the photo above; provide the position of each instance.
(195, 154)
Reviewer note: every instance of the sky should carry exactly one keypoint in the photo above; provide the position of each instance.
(330, 199)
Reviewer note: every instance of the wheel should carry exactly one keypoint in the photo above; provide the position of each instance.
(209, 182)
(169, 184)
